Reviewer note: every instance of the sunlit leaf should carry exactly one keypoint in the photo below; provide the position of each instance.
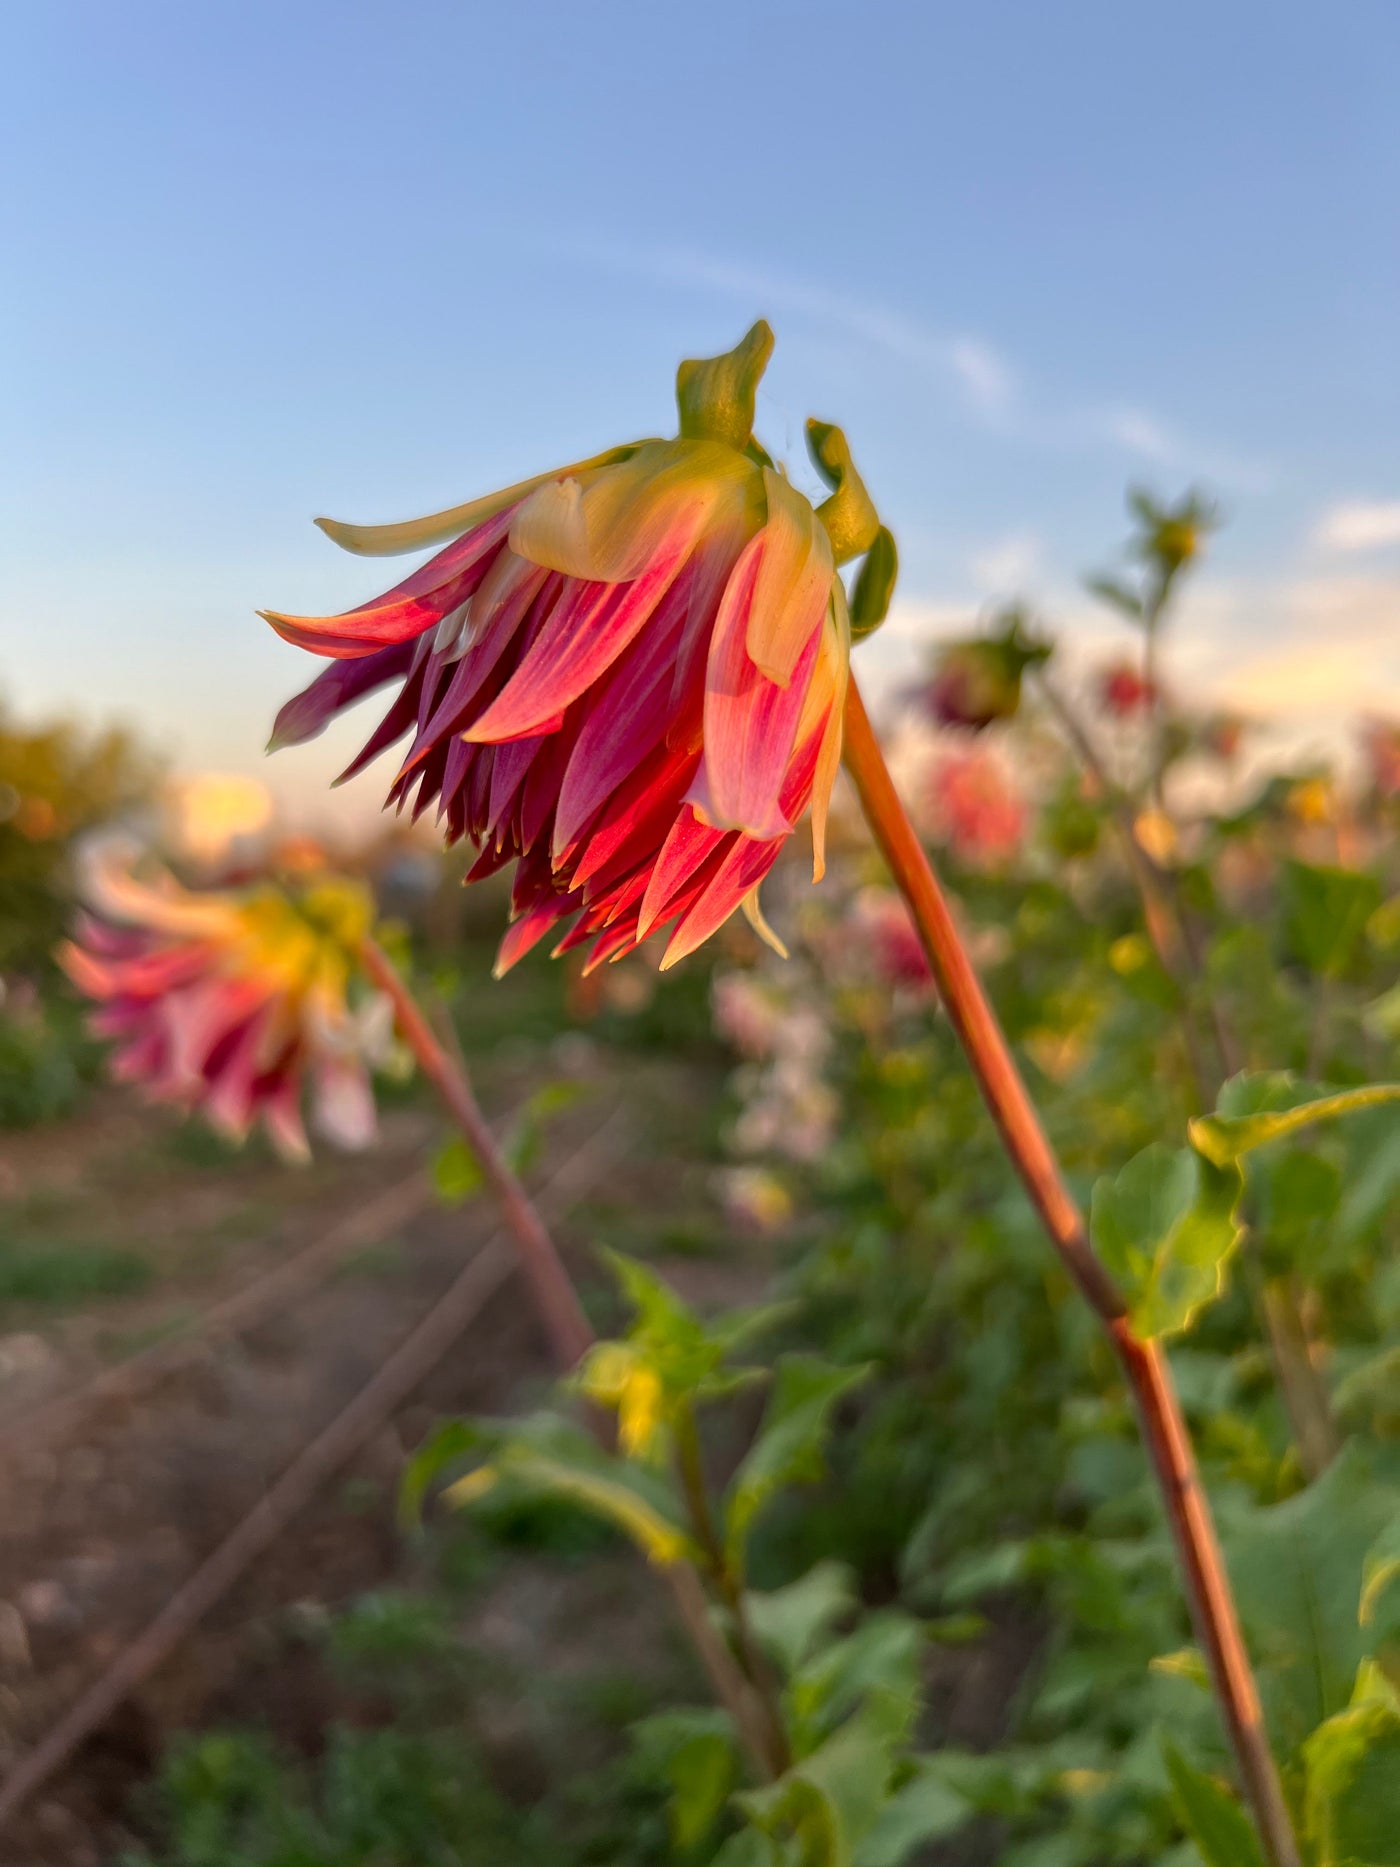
(1224, 1139)
(1218, 1825)
(1353, 1788)
(456, 1172)
(1165, 1227)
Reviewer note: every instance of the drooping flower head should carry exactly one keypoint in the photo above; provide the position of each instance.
(625, 676)
(977, 680)
(229, 1003)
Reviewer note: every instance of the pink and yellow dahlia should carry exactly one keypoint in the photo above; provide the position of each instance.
(626, 676)
(227, 1004)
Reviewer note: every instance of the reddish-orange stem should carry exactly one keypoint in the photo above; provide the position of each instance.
(1164, 1431)
(559, 1307)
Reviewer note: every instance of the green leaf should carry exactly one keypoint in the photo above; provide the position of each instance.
(1223, 1139)
(788, 1449)
(874, 585)
(1216, 1822)
(793, 1622)
(1297, 1569)
(1165, 1226)
(833, 1797)
(875, 1668)
(924, 1810)
(1380, 1570)
(1117, 595)
(695, 1751)
(456, 1172)
(544, 1454)
(1353, 1788)
(1325, 911)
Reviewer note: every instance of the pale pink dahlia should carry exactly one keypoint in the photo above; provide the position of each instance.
(229, 1004)
(625, 677)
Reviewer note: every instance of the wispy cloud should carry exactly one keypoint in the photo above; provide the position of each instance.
(964, 358)
(1359, 525)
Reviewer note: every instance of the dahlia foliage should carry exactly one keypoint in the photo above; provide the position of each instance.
(626, 676)
(228, 1004)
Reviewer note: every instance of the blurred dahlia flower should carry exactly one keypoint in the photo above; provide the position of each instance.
(625, 676)
(227, 1003)
(1381, 744)
(1123, 691)
(888, 935)
(974, 808)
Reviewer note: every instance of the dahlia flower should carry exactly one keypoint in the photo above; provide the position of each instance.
(1123, 691)
(227, 1003)
(625, 676)
(975, 809)
(977, 681)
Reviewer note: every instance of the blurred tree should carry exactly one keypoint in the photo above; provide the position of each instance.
(57, 780)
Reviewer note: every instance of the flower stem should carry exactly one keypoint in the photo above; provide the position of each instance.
(571, 1336)
(560, 1310)
(1144, 1365)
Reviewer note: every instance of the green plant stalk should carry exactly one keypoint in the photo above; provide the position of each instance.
(571, 1336)
(1143, 1362)
(730, 1587)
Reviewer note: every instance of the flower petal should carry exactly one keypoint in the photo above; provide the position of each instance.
(750, 721)
(376, 541)
(420, 602)
(307, 714)
(794, 581)
(606, 527)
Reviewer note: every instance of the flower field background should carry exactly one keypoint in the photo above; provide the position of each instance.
(816, 1273)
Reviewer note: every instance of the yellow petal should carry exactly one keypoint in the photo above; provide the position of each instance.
(608, 525)
(793, 580)
(753, 914)
(833, 671)
(385, 541)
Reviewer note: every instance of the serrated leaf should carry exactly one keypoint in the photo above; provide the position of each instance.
(832, 1797)
(925, 1809)
(1165, 1227)
(694, 1750)
(1325, 911)
(793, 1622)
(1224, 1139)
(1353, 1788)
(791, 1438)
(1216, 1822)
(875, 1668)
(456, 1172)
(1297, 1569)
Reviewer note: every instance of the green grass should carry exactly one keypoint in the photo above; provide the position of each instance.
(59, 1275)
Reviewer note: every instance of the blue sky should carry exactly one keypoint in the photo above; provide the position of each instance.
(264, 261)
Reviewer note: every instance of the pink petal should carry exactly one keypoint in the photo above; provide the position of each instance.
(589, 628)
(420, 602)
(307, 714)
(750, 722)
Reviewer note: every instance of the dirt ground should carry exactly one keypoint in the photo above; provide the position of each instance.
(105, 1514)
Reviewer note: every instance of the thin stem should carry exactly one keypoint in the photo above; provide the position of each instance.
(570, 1333)
(1144, 1365)
(690, 1466)
(559, 1306)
